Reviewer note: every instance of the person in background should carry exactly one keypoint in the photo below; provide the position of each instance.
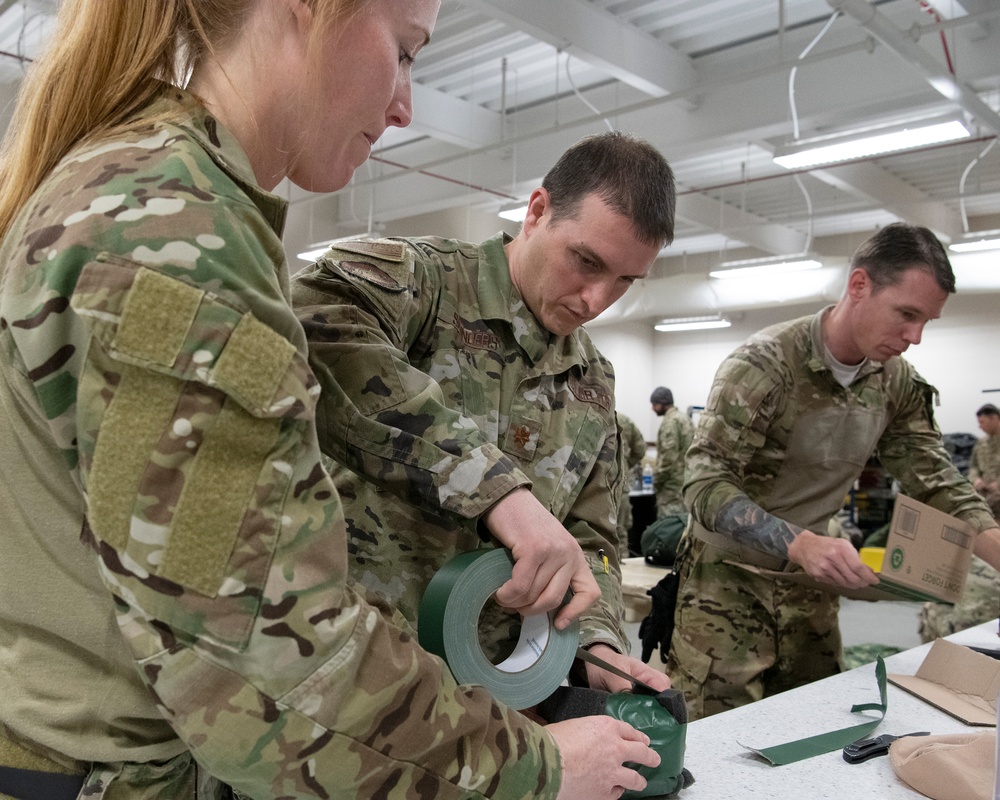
(633, 451)
(984, 463)
(672, 441)
(980, 600)
(175, 613)
(459, 377)
(792, 417)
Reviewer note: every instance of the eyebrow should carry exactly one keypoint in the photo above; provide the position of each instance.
(919, 312)
(589, 252)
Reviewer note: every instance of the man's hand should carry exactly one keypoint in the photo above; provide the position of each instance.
(830, 560)
(598, 678)
(547, 560)
(594, 750)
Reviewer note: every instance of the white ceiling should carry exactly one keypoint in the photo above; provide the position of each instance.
(506, 85)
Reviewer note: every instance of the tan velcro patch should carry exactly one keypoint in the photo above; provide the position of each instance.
(371, 274)
(384, 249)
(156, 318)
(207, 521)
(253, 363)
(141, 409)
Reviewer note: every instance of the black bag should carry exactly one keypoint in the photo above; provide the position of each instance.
(659, 541)
(657, 628)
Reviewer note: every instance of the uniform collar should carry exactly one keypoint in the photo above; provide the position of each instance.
(499, 299)
(816, 361)
(187, 112)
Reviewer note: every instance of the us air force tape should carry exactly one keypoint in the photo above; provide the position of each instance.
(449, 627)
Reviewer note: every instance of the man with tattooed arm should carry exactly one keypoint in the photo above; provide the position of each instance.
(793, 416)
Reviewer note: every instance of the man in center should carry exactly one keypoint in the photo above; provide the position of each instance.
(466, 404)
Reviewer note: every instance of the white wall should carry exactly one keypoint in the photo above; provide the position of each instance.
(959, 354)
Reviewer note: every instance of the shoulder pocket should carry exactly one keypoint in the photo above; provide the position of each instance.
(187, 407)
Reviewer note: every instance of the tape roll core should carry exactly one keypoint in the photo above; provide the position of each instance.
(448, 626)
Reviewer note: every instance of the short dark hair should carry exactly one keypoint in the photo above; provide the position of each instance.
(988, 410)
(899, 247)
(628, 173)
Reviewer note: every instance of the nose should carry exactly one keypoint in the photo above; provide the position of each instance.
(596, 297)
(400, 111)
(913, 332)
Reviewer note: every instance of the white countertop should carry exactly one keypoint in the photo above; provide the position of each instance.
(723, 769)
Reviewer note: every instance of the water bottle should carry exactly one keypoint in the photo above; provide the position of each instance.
(647, 478)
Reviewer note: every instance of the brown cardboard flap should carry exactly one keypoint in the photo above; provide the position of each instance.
(959, 681)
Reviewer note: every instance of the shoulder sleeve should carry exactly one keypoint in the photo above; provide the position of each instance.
(364, 314)
(741, 404)
(222, 541)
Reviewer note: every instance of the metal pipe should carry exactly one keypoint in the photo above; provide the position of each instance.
(910, 51)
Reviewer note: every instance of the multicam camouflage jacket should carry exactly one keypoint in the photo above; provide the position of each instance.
(440, 385)
(154, 376)
(672, 441)
(779, 429)
(984, 462)
(633, 448)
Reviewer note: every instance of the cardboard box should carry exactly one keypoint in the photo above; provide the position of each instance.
(927, 557)
(959, 681)
(928, 552)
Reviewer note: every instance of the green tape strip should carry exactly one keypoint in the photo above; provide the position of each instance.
(449, 627)
(790, 752)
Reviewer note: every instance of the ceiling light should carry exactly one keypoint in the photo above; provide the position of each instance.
(692, 323)
(871, 142)
(756, 267)
(974, 242)
(515, 214)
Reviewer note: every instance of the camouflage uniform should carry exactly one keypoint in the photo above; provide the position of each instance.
(439, 384)
(985, 459)
(780, 430)
(980, 602)
(156, 402)
(672, 441)
(633, 451)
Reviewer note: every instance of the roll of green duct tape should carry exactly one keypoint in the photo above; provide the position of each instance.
(449, 627)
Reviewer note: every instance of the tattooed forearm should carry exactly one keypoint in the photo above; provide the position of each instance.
(751, 525)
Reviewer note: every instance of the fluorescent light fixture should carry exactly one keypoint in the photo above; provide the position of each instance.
(516, 214)
(692, 323)
(871, 142)
(757, 267)
(975, 242)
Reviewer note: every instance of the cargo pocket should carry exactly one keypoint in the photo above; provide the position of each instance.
(689, 669)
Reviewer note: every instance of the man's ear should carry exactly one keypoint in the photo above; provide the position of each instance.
(858, 283)
(539, 206)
